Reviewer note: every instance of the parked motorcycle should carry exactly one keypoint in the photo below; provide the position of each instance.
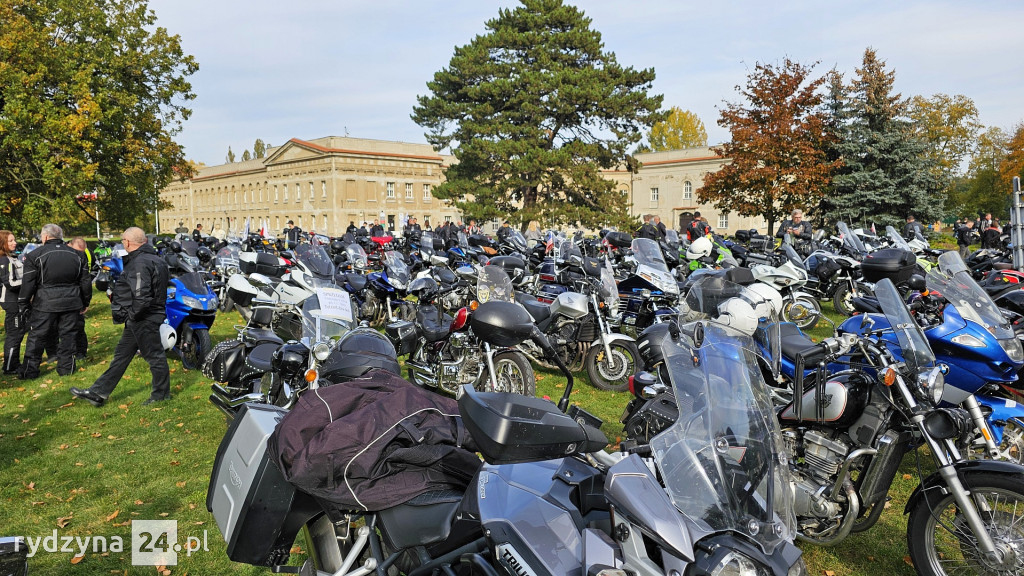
(191, 310)
(648, 293)
(789, 278)
(475, 347)
(708, 497)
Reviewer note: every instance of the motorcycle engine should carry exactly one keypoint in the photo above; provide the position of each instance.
(461, 364)
(822, 458)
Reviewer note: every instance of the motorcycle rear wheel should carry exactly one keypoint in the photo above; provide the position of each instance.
(514, 374)
(941, 543)
(612, 371)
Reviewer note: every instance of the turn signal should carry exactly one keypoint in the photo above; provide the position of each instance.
(474, 305)
(311, 376)
(890, 376)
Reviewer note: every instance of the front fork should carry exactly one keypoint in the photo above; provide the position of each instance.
(978, 418)
(603, 326)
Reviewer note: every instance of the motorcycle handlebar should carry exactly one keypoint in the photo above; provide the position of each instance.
(550, 353)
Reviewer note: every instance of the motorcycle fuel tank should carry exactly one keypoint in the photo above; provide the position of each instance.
(570, 304)
(842, 402)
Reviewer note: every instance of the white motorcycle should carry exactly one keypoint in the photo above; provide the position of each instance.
(798, 306)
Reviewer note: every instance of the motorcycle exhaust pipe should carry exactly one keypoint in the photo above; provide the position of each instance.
(423, 373)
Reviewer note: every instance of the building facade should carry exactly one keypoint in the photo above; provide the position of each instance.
(322, 185)
(666, 185)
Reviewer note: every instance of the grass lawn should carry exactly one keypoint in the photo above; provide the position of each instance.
(89, 472)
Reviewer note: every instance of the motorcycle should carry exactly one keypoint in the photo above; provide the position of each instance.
(798, 306)
(191, 310)
(649, 293)
(709, 496)
(475, 347)
(846, 436)
(576, 323)
(384, 292)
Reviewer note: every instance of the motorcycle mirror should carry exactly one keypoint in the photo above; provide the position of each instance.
(866, 322)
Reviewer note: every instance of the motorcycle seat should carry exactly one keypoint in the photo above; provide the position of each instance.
(261, 357)
(262, 336)
(794, 342)
(358, 281)
(426, 519)
(433, 330)
(538, 310)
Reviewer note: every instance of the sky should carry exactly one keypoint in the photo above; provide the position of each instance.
(313, 68)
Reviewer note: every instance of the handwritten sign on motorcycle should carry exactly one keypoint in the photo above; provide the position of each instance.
(335, 304)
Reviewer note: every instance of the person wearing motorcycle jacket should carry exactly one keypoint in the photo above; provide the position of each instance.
(138, 301)
(11, 273)
(796, 227)
(55, 289)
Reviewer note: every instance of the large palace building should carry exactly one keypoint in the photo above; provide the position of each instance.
(326, 183)
(321, 185)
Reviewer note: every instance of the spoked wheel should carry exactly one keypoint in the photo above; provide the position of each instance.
(1011, 448)
(195, 348)
(612, 371)
(514, 374)
(941, 542)
(843, 297)
(804, 312)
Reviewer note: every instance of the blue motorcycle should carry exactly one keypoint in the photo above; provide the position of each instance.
(191, 310)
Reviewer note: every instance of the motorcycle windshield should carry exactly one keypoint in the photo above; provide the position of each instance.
(518, 240)
(315, 259)
(647, 252)
(672, 237)
(193, 282)
(463, 241)
(723, 460)
(851, 240)
(493, 283)
(791, 255)
(916, 351)
(567, 249)
(356, 255)
(896, 239)
(229, 252)
(952, 279)
(327, 314)
(397, 269)
(189, 247)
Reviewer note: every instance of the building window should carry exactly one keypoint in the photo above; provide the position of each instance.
(298, 192)
(285, 192)
(323, 190)
(312, 194)
(277, 222)
(391, 189)
(324, 228)
(408, 190)
(687, 190)
(300, 221)
(426, 192)
(654, 196)
(275, 193)
(723, 221)
(447, 218)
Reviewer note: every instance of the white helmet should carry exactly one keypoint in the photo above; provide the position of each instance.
(699, 248)
(736, 313)
(168, 337)
(767, 301)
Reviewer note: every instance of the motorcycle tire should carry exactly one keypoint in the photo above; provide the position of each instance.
(940, 542)
(612, 372)
(806, 321)
(842, 299)
(195, 350)
(514, 374)
(227, 303)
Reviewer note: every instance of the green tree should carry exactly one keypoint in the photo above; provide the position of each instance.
(949, 126)
(230, 157)
(246, 156)
(887, 172)
(259, 148)
(91, 97)
(682, 129)
(777, 154)
(534, 110)
(981, 189)
(1013, 164)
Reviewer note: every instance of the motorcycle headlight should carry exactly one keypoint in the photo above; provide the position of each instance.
(968, 340)
(398, 283)
(930, 383)
(1013, 349)
(735, 564)
(193, 302)
(321, 350)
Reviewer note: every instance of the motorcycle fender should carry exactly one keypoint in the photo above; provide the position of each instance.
(611, 338)
(803, 295)
(1003, 410)
(194, 325)
(964, 469)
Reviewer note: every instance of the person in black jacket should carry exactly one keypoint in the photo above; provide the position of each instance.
(413, 231)
(11, 273)
(138, 301)
(197, 234)
(292, 234)
(377, 230)
(56, 288)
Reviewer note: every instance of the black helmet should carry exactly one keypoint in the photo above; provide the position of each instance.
(360, 351)
(337, 246)
(175, 246)
(204, 254)
(103, 281)
(422, 288)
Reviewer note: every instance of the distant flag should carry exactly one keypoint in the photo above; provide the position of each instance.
(245, 231)
(550, 244)
(873, 228)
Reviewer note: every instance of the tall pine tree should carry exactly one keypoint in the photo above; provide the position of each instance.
(886, 173)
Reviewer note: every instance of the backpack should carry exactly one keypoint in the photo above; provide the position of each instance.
(696, 229)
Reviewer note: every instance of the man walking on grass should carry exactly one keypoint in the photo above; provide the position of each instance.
(138, 302)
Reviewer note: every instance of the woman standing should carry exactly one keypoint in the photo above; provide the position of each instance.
(533, 232)
(10, 283)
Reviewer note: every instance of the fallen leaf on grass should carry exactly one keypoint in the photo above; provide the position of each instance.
(175, 463)
(63, 447)
(122, 406)
(79, 464)
(163, 514)
(64, 521)
(131, 451)
(179, 484)
(31, 485)
(39, 503)
(296, 550)
(96, 435)
(908, 561)
(829, 573)
(77, 559)
(138, 502)
(907, 476)
(114, 515)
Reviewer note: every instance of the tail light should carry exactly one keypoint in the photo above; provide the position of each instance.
(461, 318)
(632, 389)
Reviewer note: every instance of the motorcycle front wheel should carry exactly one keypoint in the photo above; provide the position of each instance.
(612, 371)
(514, 374)
(195, 349)
(804, 312)
(941, 542)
